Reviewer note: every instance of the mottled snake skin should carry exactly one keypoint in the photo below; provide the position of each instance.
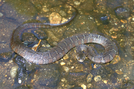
(63, 47)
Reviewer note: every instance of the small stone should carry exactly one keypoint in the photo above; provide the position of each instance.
(45, 9)
(116, 59)
(105, 81)
(122, 26)
(132, 19)
(72, 67)
(115, 23)
(105, 19)
(77, 3)
(47, 45)
(63, 80)
(132, 47)
(55, 43)
(89, 78)
(62, 63)
(1, 14)
(83, 86)
(19, 81)
(13, 71)
(5, 75)
(62, 13)
(94, 66)
(132, 24)
(65, 57)
(65, 68)
(55, 18)
(122, 13)
(89, 85)
(97, 78)
(119, 71)
(10, 61)
(64, 20)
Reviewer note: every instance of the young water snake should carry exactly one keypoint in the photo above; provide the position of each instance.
(63, 47)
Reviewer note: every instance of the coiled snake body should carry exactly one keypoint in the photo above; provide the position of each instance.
(63, 47)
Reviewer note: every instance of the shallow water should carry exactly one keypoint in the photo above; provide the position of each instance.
(111, 18)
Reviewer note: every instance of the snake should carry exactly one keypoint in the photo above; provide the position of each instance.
(62, 47)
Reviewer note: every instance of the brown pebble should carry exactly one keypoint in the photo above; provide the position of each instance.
(89, 78)
(55, 18)
(116, 59)
(65, 57)
(118, 71)
(97, 78)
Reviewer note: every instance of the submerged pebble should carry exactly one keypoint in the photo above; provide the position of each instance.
(65, 68)
(122, 13)
(83, 86)
(105, 19)
(89, 85)
(1, 14)
(89, 78)
(62, 63)
(63, 13)
(97, 78)
(45, 9)
(13, 71)
(77, 3)
(55, 18)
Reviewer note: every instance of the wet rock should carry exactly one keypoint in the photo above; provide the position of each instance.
(122, 13)
(66, 69)
(48, 76)
(89, 78)
(45, 9)
(77, 77)
(128, 84)
(13, 71)
(1, 14)
(62, 63)
(89, 85)
(63, 13)
(77, 3)
(83, 86)
(132, 21)
(97, 78)
(55, 18)
(21, 71)
(105, 19)
(116, 59)
(114, 3)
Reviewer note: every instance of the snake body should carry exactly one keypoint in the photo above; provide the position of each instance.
(63, 47)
